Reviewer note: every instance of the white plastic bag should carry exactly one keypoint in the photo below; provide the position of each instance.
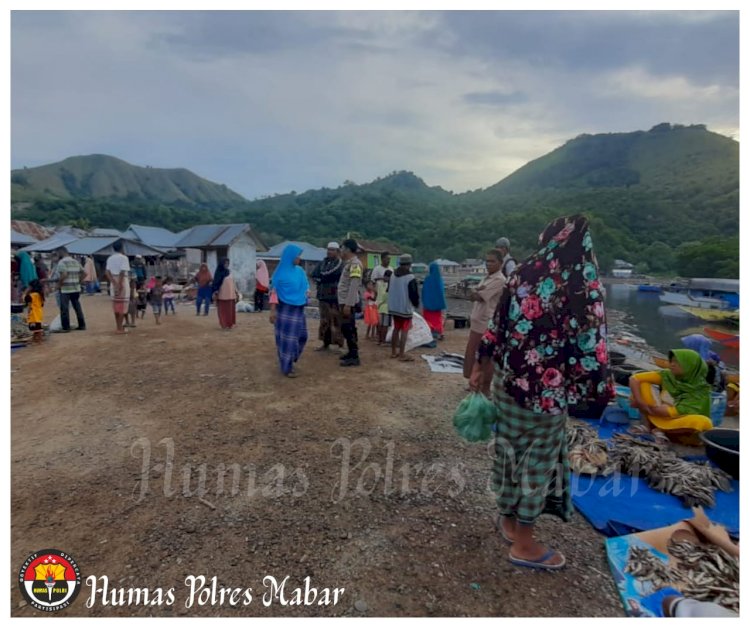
(56, 324)
(244, 306)
(419, 334)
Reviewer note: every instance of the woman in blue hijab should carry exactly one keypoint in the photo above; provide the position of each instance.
(26, 269)
(433, 300)
(288, 299)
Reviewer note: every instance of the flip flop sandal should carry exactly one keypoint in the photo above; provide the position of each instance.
(406, 358)
(660, 438)
(538, 564)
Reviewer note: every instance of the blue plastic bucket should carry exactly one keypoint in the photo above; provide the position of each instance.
(623, 400)
(718, 407)
(613, 414)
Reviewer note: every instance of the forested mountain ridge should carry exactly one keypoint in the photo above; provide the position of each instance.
(666, 199)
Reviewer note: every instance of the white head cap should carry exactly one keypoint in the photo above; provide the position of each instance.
(333, 245)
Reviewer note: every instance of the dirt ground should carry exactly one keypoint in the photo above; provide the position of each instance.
(406, 527)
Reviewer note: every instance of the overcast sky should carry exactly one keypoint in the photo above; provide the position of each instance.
(271, 102)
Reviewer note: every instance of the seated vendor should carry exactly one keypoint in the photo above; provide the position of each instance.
(716, 368)
(686, 382)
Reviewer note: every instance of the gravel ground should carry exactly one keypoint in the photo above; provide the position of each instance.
(405, 528)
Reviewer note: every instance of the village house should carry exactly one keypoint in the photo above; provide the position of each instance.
(622, 269)
(370, 251)
(448, 267)
(211, 243)
(311, 255)
(473, 267)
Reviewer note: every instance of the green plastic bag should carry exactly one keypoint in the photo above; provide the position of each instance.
(474, 417)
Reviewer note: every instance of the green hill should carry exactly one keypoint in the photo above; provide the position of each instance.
(105, 177)
(666, 200)
(670, 159)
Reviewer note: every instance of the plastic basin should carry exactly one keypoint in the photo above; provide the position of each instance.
(723, 449)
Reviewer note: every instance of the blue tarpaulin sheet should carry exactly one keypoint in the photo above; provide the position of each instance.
(621, 504)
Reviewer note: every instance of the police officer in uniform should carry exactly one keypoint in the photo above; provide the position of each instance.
(349, 300)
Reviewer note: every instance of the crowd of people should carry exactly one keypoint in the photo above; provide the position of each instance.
(537, 346)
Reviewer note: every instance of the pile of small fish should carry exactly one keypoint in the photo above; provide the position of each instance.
(693, 482)
(645, 565)
(587, 453)
(708, 573)
(705, 573)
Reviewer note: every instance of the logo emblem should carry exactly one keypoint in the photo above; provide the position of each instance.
(49, 580)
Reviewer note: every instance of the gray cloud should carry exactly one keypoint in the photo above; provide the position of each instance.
(703, 45)
(496, 99)
(272, 101)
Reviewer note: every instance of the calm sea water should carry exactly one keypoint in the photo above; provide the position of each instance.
(660, 326)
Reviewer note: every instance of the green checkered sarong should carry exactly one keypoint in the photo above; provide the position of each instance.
(531, 473)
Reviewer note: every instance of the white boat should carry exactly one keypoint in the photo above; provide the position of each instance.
(708, 294)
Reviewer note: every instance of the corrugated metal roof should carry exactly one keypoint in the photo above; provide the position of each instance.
(20, 238)
(103, 246)
(153, 236)
(229, 235)
(446, 262)
(310, 253)
(52, 243)
(90, 246)
(372, 246)
(200, 235)
(107, 233)
(212, 235)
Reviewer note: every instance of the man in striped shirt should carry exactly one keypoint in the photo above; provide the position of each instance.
(70, 273)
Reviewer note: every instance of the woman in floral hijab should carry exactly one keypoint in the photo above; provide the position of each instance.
(548, 341)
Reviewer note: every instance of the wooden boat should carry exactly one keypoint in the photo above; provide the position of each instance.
(721, 336)
(647, 287)
(710, 294)
(731, 317)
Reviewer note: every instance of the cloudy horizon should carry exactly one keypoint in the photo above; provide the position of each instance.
(268, 102)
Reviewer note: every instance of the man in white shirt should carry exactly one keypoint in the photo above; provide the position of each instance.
(118, 271)
(378, 273)
(509, 264)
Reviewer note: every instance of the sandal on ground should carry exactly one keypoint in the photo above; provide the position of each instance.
(393, 357)
(540, 563)
(660, 438)
(292, 374)
(322, 348)
(407, 358)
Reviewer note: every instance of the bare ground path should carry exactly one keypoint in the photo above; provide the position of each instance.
(405, 527)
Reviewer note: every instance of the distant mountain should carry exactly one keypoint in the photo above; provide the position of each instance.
(103, 177)
(668, 158)
(665, 199)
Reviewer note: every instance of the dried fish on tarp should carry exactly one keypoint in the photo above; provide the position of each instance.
(693, 482)
(707, 573)
(645, 565)
(701, 572)
(587, 453)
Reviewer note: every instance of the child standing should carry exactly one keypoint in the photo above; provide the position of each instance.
(384, 318)
(168, 296)
(371, 312)
(133, 305)
(34, 299)
(142, 298)
(155, 298)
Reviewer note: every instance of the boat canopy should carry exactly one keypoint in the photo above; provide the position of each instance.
(719, 285)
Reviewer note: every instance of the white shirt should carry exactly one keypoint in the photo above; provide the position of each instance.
(378, 272)
(117, 263)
